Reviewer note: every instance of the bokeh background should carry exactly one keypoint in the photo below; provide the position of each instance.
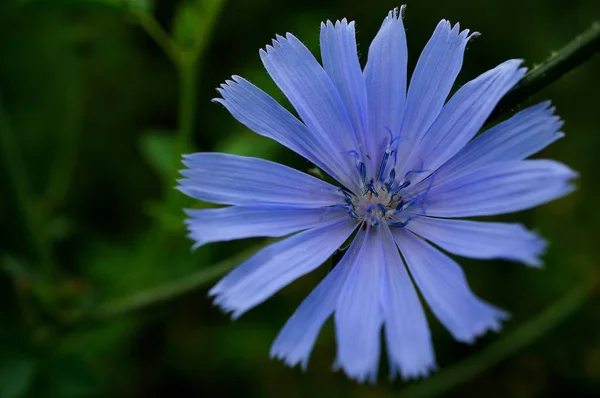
(92, 125)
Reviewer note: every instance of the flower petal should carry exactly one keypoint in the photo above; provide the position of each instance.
(484, 240)
(247, 181)
(385, 75)
(261, 113)
(443, 285)
(306, 84)
(499, 188)
(340, 60)
(234, 222)
(462, 117)
(524, 134)
(433, 78)
(297, 338)
(279, 264)
(358, 316)
(407, 335)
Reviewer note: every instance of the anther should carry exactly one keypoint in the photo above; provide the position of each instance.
(400, 205)
(400, 224)
(360, 166)
(400, 187)
(370, 188)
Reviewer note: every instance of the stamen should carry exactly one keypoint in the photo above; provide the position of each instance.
(386, 155)
(360, 166)
(417, 171)
(400, 187)
(400, 205)
(400, 224)
(383, 164)
(370, 188)
(391, 180)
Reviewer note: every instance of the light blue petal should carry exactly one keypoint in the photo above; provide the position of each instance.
(431, 82)
(385, 75)
(246, 181)
(358, 316)
(229, 223)
(499, 188)
(297, 338)
(340, 60)
(306, 84)
(279, 264)
(462, 117)
(484, 240)
(261, 113)
(443, 285)
(407, 335)
(522, 135)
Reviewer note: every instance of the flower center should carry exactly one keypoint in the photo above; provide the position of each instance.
(379, 202)
(383, 198)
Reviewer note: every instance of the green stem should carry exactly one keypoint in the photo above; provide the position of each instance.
(188, 78)
(31, 215)
(66, 160)
(504, 347)
(169, 290)
(188, 70)
(156, 31)
(575, 53)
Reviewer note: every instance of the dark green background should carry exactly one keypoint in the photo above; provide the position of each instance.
(92, 106)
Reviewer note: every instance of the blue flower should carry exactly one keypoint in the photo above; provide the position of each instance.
(407, 164)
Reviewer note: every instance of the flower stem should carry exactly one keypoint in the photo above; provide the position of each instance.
(64, 165)
(575, 53)
(15, 167)
(188, 77)
(504, 347)
(156, 31)
(170, 290)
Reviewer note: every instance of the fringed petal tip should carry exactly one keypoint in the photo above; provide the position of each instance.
(277, 43)
(417, 370)
(396, 13)
(454, 31)
(492, 322)
(291, 359)
(338, 24)
(538, 247)
(226, 304)
(359, 374)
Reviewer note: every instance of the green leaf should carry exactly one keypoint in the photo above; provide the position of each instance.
(15, 267)
(69, 377)
(16, 375)
(140, 5)
(193, 22)
(158, 148)
(510, 343)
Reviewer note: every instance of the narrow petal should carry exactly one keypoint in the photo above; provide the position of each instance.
(279, 264)
(484, 240)
(407, 335)
(340, 60)
(463, 116)
(443, 285)
(306, 84)
(358, 315)
(499, 188)
(385, 75)
(261, 113)
(246, 181)
(229, 223)
(517, 138)
(433, 78)
(295, 342)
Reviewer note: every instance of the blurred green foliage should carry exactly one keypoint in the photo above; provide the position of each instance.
(100, 97)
